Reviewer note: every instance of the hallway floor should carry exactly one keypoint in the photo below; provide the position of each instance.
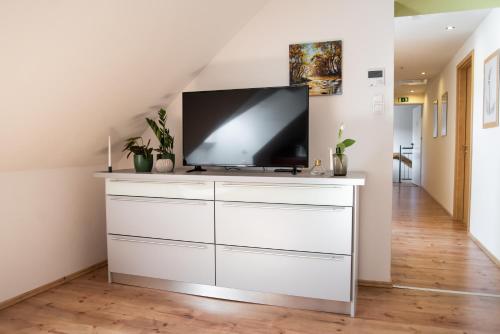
(431, 250)
(90, 305)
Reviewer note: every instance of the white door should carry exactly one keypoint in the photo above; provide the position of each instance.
(417, 144)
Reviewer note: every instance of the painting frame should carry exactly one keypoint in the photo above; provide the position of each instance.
(317, 65)
(444, 114)
(491, 90)
(435, 113)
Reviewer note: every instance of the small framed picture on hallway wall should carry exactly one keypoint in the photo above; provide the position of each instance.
(444, 114)
(435, 111)
(491, 90)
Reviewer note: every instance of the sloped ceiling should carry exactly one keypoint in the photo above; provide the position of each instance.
(72, 72)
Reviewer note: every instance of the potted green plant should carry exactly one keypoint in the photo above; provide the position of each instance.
(165, 160)
(143, 154)
(339, 158)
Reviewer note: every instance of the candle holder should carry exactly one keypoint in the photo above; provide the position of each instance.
(110, 169)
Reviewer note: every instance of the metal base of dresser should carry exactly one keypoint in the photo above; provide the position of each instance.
(236, 294)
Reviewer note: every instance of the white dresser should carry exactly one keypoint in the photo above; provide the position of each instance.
(270, 238)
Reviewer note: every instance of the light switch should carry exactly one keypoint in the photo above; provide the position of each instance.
(378, 108)
(378, 103)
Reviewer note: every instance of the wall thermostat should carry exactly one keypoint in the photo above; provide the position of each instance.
(376, 77)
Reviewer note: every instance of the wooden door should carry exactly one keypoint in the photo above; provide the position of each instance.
(465, 73)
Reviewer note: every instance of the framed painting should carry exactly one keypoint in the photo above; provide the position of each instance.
(444, 114)
(318, 65)
(491, 90)
(435, 119)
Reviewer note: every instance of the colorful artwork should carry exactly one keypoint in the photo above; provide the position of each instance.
(318, 65)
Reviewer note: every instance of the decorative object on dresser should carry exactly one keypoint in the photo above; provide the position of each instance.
(318, 65)
(317, 170)
(253, 236)
(110, 167)
(143, 154)
(340, 158)
(491, 90)
(165, 160)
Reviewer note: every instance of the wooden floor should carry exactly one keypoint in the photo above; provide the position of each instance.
(90, 305)
(431, 250)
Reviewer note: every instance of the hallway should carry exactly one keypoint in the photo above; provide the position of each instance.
(430, 250)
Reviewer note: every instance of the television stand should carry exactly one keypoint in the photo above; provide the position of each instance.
(293, 170)
(196, 169)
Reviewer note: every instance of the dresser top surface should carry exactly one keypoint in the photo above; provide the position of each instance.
(352, 178)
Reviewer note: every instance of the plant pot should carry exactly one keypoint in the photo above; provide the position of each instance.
(165, 162)
(339, 164)
(143, 164)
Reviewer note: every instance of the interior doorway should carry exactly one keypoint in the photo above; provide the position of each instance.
(463, 163)
(407, 143)
(431, 246)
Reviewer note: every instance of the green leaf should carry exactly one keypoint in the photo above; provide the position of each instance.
(340, 148)
(348, 142)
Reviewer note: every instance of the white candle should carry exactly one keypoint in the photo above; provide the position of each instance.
(331, 158)
(109, 151)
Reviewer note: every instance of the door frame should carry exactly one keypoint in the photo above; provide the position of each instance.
(421, 143)
(462, 184)
(415, 104)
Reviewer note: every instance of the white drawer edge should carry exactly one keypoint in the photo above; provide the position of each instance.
(166, 243)
(159, 200)
(295, 207)
(315, 256)
(199, 183)
(281, 185)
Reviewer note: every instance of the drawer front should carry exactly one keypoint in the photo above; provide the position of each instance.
(177, 219)
(324, 229)
(284, 193)
(168, 189)
(173, 260)
(292, 273)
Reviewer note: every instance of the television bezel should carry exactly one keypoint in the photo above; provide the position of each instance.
(306, 165)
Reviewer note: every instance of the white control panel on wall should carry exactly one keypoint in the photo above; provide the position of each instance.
(376, 77)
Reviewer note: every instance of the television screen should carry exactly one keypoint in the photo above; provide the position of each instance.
(262, 127)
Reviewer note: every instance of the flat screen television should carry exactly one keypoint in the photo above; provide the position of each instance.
(254, 127)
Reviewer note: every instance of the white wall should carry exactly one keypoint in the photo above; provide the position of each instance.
(52, 225)
(71, 73)
(439, 153)
(485, 208)
(258, 56)
(403, 133)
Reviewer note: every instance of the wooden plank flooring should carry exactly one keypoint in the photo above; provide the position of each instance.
(90, 305)
(430, 249)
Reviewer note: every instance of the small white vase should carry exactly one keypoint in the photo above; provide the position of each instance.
(164, 165)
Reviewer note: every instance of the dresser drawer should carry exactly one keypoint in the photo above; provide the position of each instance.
(179, 261)
(324, 229)
(284, 193)
(168, 189)
(176, 219)
(292, 273)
